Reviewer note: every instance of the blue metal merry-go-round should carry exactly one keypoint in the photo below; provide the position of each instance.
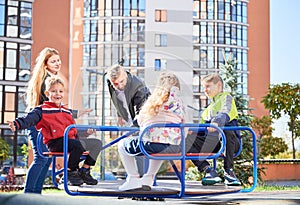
(180, 188)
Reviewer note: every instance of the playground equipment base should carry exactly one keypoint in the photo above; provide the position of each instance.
(163, 188)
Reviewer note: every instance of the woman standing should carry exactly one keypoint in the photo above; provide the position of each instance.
(47, 64)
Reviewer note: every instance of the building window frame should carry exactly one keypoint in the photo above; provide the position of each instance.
(161, 40)
(160, 64)
(160, 15)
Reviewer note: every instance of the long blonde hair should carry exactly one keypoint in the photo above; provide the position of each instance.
(39, 73)
(160, 94)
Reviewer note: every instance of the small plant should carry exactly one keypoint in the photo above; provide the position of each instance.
(9, 184)
(4, 150)
(193, 174)
(24, 150)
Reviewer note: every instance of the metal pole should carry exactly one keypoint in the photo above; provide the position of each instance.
(102, 159)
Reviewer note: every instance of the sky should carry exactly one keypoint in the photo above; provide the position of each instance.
(285, 55)
(285, 41)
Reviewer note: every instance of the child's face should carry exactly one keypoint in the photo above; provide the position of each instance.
(56, 93)
(211, 89)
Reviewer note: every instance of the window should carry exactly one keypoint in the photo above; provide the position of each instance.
(2, 18)
(160, 64)
(160, 40)
(161, 15)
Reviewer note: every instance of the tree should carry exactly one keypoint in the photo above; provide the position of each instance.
(282, 100)
(230, 76)
(4, 150)
(268, 145)
(271, 146)
(262, 126)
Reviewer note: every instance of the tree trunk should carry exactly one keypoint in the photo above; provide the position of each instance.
(293, 145)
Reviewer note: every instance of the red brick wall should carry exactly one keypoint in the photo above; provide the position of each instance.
(281, 172)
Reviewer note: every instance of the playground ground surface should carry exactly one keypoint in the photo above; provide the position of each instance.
(255, 197)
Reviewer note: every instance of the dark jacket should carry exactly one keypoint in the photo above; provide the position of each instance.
(136, 94)
(51, 119)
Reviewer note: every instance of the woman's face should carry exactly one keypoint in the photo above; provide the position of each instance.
(53, 64)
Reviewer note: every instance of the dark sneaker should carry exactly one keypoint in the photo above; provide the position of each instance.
(74, 179)
(231, 179)
(211, 178)
(86, 177)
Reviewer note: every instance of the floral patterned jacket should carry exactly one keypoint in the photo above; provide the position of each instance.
(172, 111)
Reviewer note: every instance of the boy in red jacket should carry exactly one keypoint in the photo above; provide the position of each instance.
(52, 118)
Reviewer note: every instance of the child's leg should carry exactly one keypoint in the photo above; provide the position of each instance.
(75, 149)
(94, 146)
(127, 160)
(148, 178)
(232, 146)
(198, 144)
(154, 165)
(133, 179)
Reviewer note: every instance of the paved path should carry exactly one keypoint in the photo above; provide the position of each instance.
(265, 198)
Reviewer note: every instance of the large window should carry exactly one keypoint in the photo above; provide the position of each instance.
(15, 62)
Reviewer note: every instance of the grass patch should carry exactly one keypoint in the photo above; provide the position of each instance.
(262, 188)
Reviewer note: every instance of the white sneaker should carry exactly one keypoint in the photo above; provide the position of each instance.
(131, 183)
(147, 180)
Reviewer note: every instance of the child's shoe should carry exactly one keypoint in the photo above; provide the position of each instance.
(86, 176)
(231, 179)
(132, 182)
(74, 179)
(211, 177)
(147, 182)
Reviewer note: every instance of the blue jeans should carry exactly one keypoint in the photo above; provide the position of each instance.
(39, 167)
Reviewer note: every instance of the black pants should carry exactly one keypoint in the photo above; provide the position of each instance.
(210, 143)
(75, 149)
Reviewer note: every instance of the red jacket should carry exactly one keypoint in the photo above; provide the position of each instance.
(51, 119)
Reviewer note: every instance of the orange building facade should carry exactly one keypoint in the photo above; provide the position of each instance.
(259, 54)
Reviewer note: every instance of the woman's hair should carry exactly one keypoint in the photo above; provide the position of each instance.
(160, 94)
(53, 81)
(38, 76)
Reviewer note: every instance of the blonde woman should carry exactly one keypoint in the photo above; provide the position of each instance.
(163, 106)
(47, 64)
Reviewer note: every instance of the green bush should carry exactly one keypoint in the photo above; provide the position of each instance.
(4, 150)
